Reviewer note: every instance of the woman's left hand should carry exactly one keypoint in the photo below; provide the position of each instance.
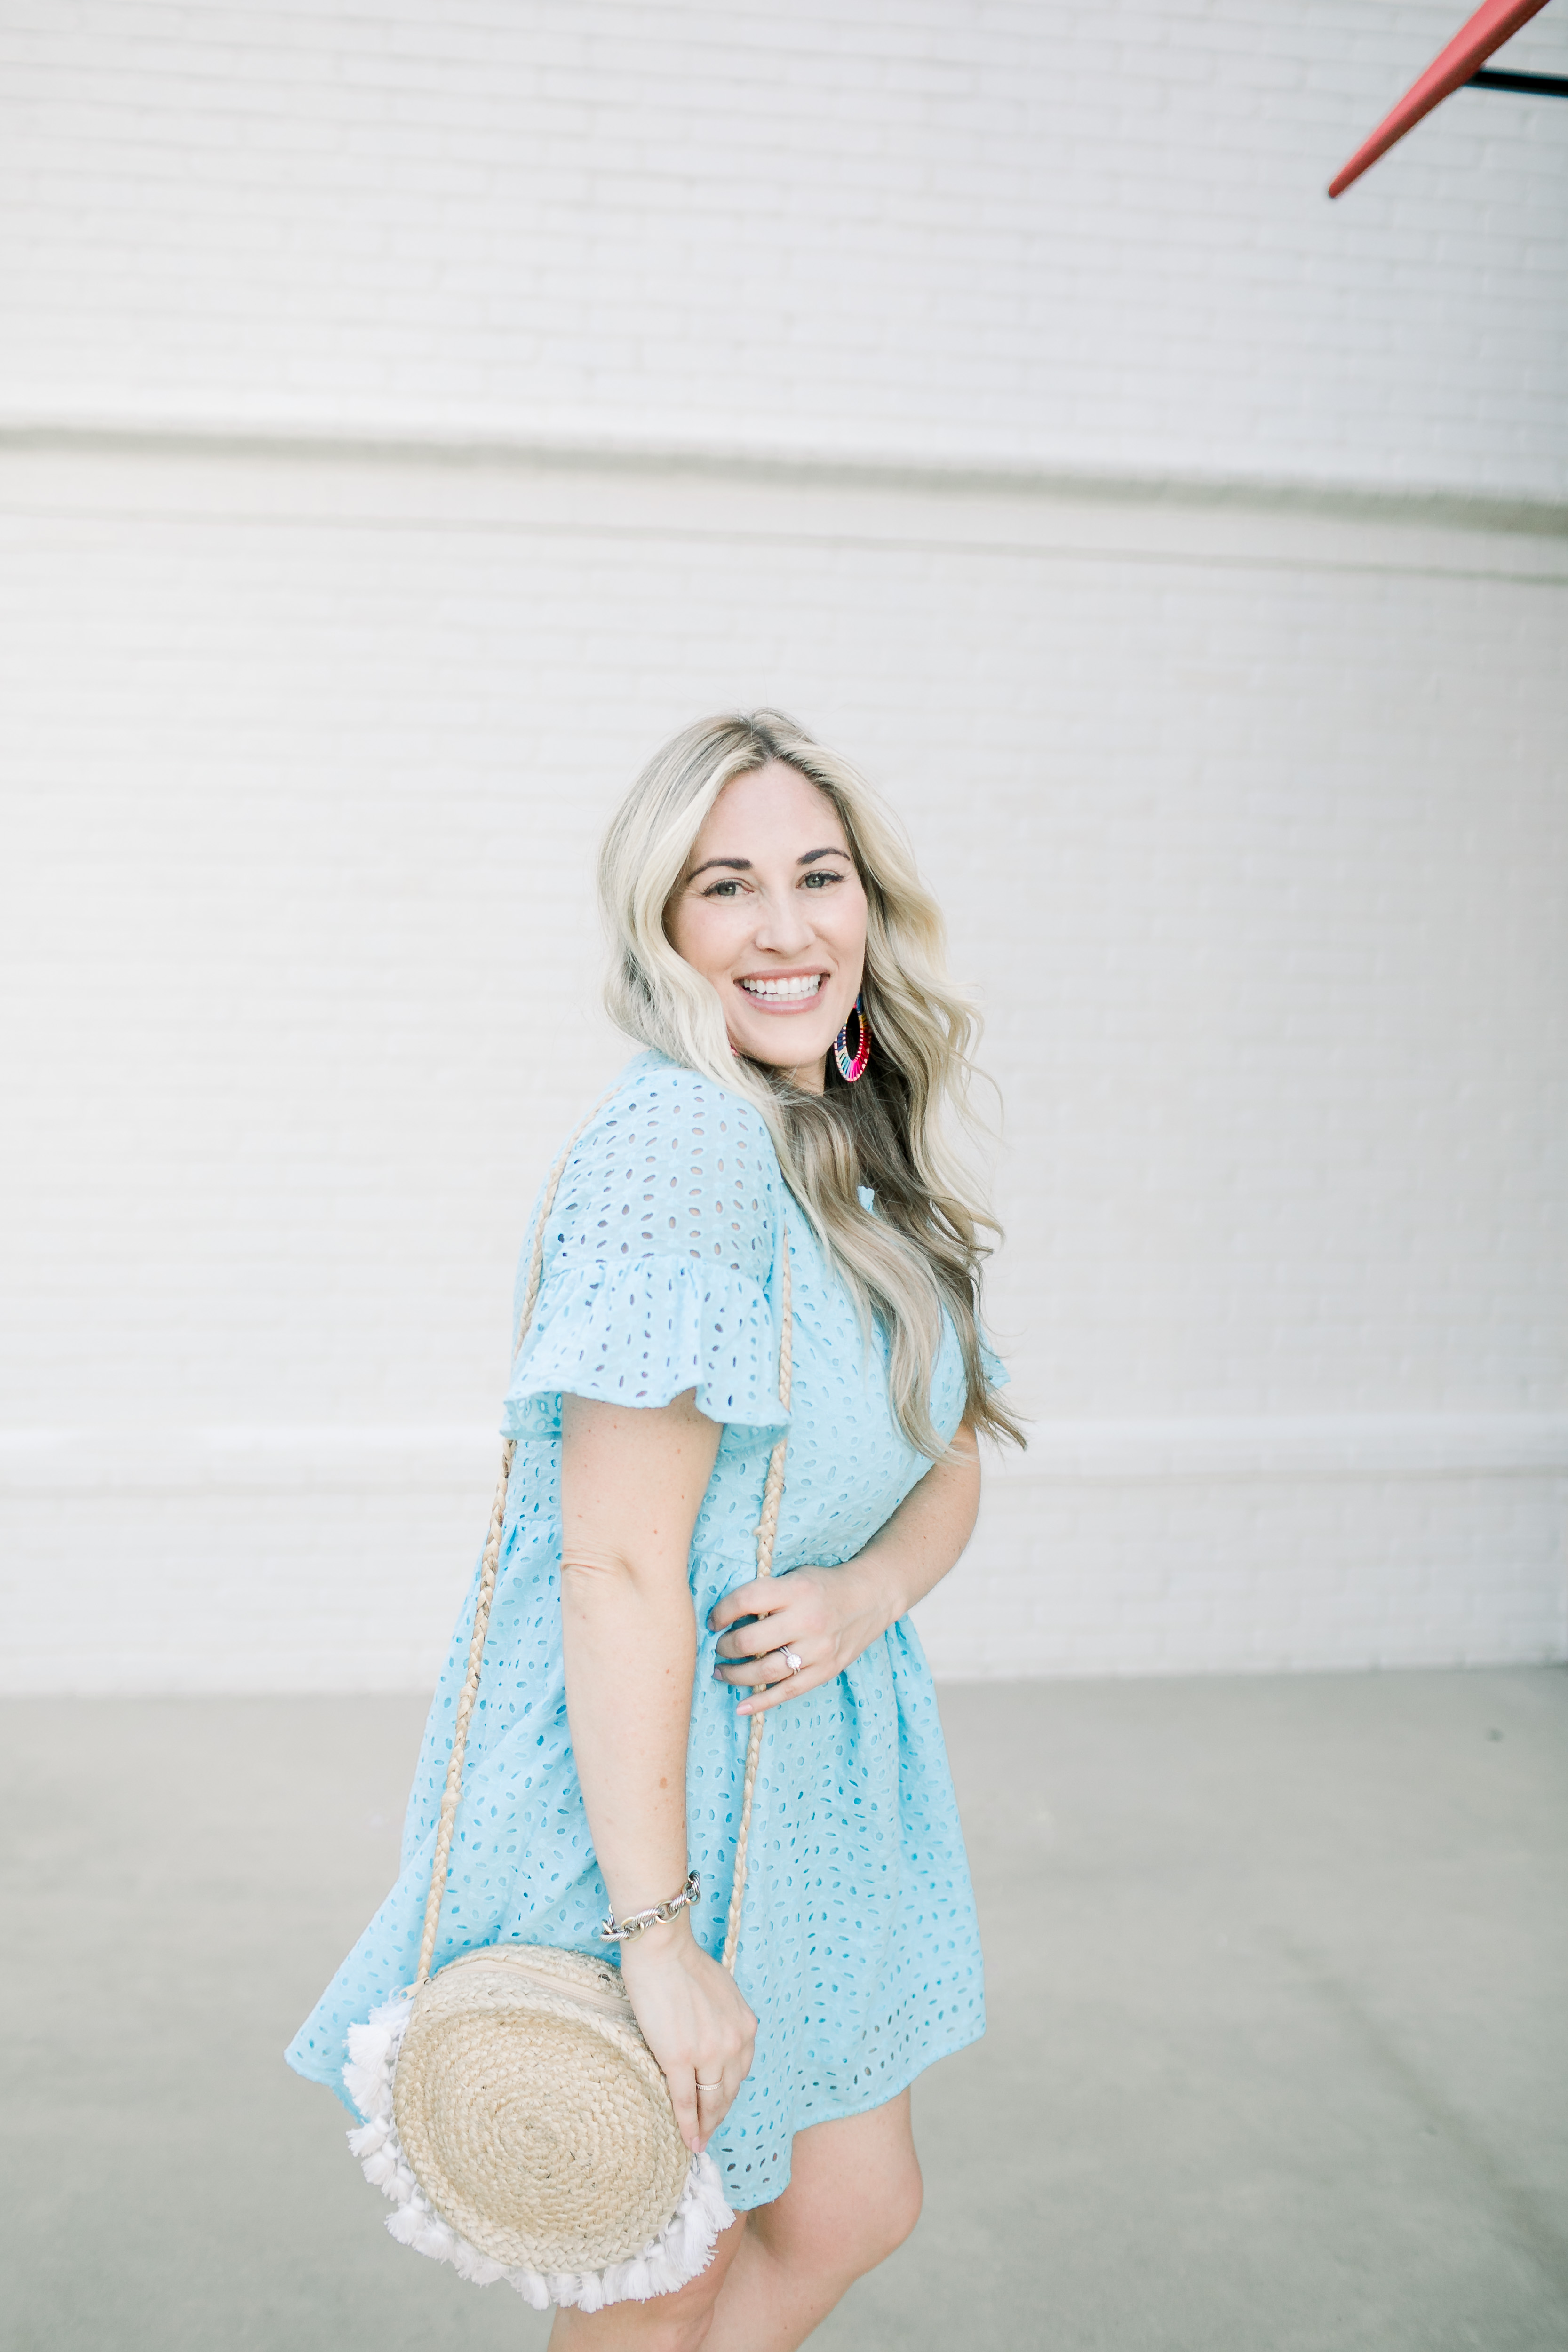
(822, 1616)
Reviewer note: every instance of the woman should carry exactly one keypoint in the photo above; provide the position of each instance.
(756, 897)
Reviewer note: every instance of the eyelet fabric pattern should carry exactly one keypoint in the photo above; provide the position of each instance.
(859, 1952)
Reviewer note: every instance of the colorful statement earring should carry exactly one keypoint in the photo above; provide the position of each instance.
(852, 1067)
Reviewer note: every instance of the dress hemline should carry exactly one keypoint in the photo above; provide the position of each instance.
(735, 2198)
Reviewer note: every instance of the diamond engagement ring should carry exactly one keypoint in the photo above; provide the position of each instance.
(792, 1659)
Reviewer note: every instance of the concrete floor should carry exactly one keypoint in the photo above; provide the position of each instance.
(1277, 2060)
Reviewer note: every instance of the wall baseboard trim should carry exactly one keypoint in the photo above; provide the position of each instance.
(1327, 1446)
(77, 1465)
(893, 462)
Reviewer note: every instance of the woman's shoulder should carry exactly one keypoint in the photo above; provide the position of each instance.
(657, 1108)
(656, 1090)
(656, 1258)
(669, 1162)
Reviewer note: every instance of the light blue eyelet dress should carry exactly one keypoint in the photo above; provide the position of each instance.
(859, 1952)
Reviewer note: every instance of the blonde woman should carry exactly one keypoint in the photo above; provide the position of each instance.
(782, 966)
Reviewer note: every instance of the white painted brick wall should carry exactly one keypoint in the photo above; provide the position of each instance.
(1258, 867)
(1250, 818)
(1096, 236)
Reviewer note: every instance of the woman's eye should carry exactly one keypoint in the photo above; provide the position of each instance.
(733, 884)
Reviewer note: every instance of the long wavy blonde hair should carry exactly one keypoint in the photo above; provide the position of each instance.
(923, 1248)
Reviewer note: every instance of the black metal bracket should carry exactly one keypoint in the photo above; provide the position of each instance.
(1531, 85)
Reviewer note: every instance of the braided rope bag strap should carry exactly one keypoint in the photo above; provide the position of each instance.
(767, 1530)
(598, 2200)
(488, 1568)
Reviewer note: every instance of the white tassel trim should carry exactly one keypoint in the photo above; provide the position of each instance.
(683, 2248)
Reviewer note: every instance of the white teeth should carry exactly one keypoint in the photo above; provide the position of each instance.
(784, 991)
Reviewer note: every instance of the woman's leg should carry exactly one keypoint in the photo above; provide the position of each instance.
(854, 2196)
(668, 2322)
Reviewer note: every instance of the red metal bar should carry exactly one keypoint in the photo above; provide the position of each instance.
(1488, 29)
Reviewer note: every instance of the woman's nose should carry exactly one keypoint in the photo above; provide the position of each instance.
(785, 928)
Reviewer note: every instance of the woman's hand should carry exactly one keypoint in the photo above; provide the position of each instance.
(694, 2021)
(822, 1616)
(826, 1616)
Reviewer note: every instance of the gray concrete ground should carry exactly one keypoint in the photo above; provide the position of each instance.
(1277, 2062)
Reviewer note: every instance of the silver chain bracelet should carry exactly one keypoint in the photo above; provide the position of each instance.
(627, 1930)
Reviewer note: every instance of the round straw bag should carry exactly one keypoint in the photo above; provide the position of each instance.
(514, 2113)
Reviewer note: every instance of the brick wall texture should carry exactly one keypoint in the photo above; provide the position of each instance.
(329, 658)
(1091, 235)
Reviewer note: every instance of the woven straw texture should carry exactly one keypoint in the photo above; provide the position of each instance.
(534, 2116)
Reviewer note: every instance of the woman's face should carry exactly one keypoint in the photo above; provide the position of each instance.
(771, 909)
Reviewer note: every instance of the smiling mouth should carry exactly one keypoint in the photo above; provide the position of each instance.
(788, 995)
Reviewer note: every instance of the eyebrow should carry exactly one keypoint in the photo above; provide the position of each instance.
(743, 864)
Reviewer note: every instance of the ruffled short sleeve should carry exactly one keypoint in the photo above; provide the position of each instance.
(658, 1260)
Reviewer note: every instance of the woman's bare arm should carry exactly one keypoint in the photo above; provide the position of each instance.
(828, 1615)
(632, 1481)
